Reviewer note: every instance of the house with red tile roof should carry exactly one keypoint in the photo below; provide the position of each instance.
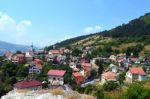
(56, 75)
(54, 53)
(85, 64)
(79, 79)
(18, 58)
(37, 61)
(36, 66)
(28, 84)
(86, 68)
(108, 76)
(135, 74)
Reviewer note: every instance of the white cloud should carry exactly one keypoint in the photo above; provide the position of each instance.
(9, 26)
(21, 28)
(98, 27)
(92, 29)
(88, 29)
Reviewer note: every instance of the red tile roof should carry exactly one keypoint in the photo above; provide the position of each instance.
(55, 51)
(20, 55)
(86, 64)
(56, 72)
(78, 77)
(27, 84)
(109, 76)
(134, 59)
(137, 70)
(37, 60)
(39, 66)
(76, 74)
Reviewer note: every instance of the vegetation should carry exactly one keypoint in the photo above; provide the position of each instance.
(135, 30)
(110, 85)
(136, 91)
(121, 77)
(100, 64)
(9, 74)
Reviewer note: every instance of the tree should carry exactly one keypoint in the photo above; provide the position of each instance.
(100, 94)
(100, 64)
(128, 51)
(93, 73)
(121, 77)
(76, 52)
(136, 91)
(18, 52)
(88, 89)
(110, 85)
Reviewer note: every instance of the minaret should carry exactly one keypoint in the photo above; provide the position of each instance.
(32, 47)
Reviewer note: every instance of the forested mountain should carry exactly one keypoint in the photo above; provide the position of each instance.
(137, 28)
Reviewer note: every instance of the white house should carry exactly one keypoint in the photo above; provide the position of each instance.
(29, 55)
(113, 68)
(113, 57)
(135, 74)
(56, 77)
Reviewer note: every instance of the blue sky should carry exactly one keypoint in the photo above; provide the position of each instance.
(45, 22)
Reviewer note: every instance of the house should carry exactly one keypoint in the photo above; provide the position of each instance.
(35, 68)
(72, 65)
(54, 53)
(62, 50)
(86, 69)
(61, 57)
(135, 74)
(135, 60)
(37, 61)
(113, 68)
(29, 55)
(28, 84)
(121, 55)
(84, 60)
(108, 76)
(18, 58)
(8, 55)
(113, 57)
(85, 64)
(79, 79)
(147, 61)
(56, 77)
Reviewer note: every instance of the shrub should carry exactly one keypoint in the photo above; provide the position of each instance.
(110, 85)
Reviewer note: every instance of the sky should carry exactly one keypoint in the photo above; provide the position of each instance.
(46, 22)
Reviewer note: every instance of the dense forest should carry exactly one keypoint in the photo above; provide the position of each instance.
(136, 27)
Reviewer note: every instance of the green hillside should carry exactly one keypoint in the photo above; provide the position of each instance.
(137, 28)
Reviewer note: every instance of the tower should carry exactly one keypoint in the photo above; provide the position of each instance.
(32, 47)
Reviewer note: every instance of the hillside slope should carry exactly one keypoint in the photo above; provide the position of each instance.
(5, 46)
(137, 27)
